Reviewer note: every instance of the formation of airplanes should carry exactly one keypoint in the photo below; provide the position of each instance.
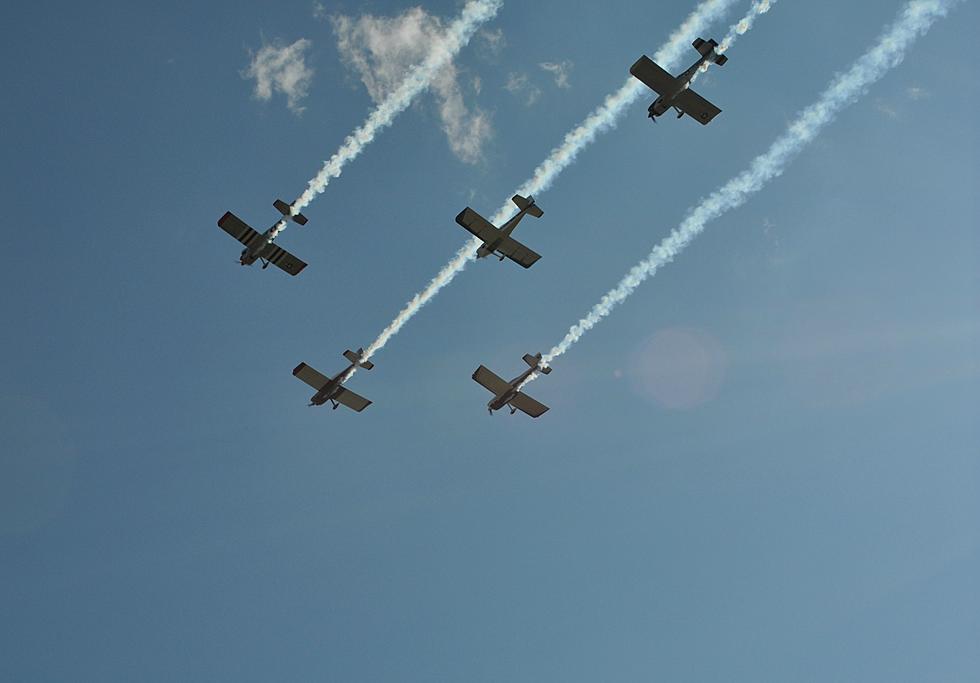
(674, 92)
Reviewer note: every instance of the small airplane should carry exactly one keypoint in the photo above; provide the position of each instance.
(508, 393)
(332, 389)
(498, 242)
(676, 92)
(261, 247)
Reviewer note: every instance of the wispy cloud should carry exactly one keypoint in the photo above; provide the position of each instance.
(560, 70)
(278, 68)
(520, 86)
(320, 10)
(381, 50)
(441, 53)
(493, 40)
(885, 108)
(916, 92)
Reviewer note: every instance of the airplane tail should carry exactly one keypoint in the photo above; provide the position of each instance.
(355, 358)
(535, 362)
(707, 49)
(528, 203)
(287, 211)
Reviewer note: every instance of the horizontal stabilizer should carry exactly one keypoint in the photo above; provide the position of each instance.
(705, 47)
(287, 211)
(355, 358)
(528, 203)
(708, 48)
(535, 362)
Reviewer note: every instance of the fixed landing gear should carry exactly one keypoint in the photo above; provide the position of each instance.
(513, 410)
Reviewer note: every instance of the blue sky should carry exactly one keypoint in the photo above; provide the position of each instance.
(763, 466)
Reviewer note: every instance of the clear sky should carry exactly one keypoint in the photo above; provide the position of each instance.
(763, 466)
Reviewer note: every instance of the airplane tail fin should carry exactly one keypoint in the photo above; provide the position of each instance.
(287, 211)
(535, 362)
(528, 203)
(355, 358)
(708, 48)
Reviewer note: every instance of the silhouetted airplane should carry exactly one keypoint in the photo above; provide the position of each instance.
(331, 389)
(261, 247)
(498, 241)
(676, 92)
(508, 393)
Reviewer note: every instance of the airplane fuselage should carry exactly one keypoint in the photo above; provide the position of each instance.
(683, 82)
(503, 400)
(328, 392)
(490, 248)
(252, 254)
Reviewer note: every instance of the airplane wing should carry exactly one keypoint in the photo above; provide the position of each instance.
(310, 376)
(517, 252)
(695, 106)
(490, 381)
(528, 405)
(238, 229)
(477, 224)
(351, 400)
(652, 75)
(282, 259)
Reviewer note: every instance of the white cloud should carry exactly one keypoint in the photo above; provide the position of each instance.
(282, 69)
(494, 41)
(885, 108)
(519, 85)
(916, 93)
(560, 70)
(381, 50)
(319, 10)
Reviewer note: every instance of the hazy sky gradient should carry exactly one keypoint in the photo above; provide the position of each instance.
(764, 466)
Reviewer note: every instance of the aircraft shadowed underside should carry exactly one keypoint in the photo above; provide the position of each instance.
(676, 92)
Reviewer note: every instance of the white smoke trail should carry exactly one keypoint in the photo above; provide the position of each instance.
(888, 52)
(459, 33)
(599, 121)
(759, 7)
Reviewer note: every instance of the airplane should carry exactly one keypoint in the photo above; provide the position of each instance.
(676, 92)
(331, 389)
(261, 247)
(508, 393)
(498, 242)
